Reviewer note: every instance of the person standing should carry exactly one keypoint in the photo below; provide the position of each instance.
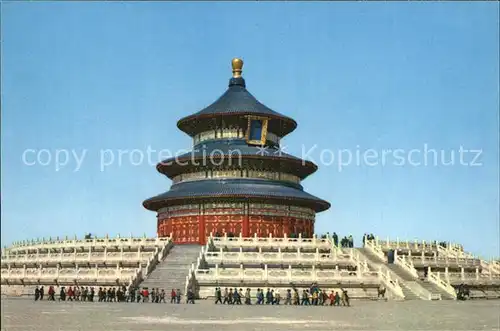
(178, 292)
(41, 293)
(52, 293)
(173, 295)
(37, 293)
(288, 300)
(218, 295)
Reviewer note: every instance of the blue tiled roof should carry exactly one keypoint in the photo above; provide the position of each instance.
(238, 101)
(234, 148)
(236, 188)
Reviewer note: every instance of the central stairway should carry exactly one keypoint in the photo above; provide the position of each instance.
(171, 272)
(412, 290)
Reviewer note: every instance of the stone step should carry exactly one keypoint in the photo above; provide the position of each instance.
(409, 295)
(171, 272)
(434, 289)
(400, 272)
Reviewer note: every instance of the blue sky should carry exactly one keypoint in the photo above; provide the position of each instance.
(357, 76)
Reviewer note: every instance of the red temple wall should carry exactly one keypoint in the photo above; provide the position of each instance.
(187, 229)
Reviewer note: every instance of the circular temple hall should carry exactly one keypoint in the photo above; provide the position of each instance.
(236, 179)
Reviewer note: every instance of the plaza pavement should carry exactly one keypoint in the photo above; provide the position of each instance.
(27, 315)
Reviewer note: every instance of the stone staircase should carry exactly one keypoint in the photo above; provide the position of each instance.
(411, 289)
(434, 289)
(171, 272)
(403, 274)
(409, 295)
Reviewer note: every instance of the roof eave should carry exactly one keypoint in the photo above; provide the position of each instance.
(318, 205)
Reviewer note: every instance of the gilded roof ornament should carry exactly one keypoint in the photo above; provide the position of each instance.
(237, 65)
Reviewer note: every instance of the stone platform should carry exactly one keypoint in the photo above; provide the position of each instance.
(26, 315)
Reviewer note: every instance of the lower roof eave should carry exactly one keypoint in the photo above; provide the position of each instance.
(155, 204)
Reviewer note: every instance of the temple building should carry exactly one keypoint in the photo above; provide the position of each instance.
(236, 179)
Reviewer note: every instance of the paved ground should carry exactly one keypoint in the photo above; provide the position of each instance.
(26, 315)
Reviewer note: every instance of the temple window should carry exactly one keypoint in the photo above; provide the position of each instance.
(239, 133)
(256, 130)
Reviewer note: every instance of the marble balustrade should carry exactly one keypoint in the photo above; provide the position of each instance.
(283, 276)
(271, 242)
(78, 257)
(67, 275)
(112, 243)
(292, 258)
(443, 261)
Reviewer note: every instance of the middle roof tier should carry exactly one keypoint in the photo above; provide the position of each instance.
(235, 154)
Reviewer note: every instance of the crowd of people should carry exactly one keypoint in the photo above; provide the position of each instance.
(312, 297)
(112, 294)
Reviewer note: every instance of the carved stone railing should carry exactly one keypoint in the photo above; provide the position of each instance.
(405, 264)
(282, 242)
(130, 243)
(494, 266)
(375, 249)
(420, 245)
(443, 261)
(491, 267)
(191, 281)
(160, 254)
(392, 285)
(280, 258)
(67, 275)
(470, 278)
(454, 251)
(441, 283)
(355, 257)
(130, 276)
(79, 258)
(284, 276)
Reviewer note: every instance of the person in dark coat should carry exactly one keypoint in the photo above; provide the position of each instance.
(41, 293)
(37, 293)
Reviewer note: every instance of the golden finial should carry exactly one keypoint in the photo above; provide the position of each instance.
(237, 67)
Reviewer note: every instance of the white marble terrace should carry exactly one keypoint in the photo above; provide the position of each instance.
(86, 262)
(445, 267)
(253, 263)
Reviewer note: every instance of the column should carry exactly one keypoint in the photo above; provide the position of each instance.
(245, 228)
(202, 238)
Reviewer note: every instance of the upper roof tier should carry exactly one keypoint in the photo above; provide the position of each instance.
(236, 102)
